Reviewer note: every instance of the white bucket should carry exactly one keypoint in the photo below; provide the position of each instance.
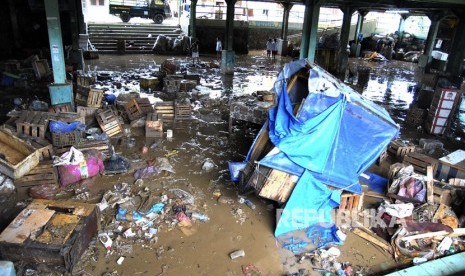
(169, 133)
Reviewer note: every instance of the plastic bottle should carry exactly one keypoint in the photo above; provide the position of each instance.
(106, 241)
(247, 202)
(200, 216)
(237, 254)
(7, 268)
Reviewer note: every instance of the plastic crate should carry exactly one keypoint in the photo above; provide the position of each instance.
(66, 139)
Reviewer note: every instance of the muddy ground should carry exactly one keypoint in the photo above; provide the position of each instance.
(232, 226)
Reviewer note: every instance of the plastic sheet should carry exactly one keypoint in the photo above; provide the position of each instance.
(63, 127)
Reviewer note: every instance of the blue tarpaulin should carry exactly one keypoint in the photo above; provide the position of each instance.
(335, 136)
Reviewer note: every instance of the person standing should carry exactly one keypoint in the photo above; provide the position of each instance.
(268, 48)
(274, 48)
(195, 51)
(219, 48)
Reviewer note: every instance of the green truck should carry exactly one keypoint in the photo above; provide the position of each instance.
(157, 10)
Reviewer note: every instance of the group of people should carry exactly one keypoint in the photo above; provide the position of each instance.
(271, 48)
(195, 49)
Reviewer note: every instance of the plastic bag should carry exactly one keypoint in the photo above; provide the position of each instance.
(70, 174)
(63, 127)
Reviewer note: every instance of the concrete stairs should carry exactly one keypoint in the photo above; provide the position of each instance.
(139, 38)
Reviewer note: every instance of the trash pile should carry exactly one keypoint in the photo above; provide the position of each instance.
(322, 188)
(392, 46)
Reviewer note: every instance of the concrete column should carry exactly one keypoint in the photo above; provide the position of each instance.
(343, 55)
(310, 28)
(192, 18)
(359, 27)
(227, 56)
(60, 90)
(282, 46)
(14, 23)
(401, 28)
(435, 18)
(457, 52)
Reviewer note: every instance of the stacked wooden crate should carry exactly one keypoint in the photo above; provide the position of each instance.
(182, 110)
(420, 162)
(399, 149)
(444, 103)
(89, 97)
(138, 108)
(153, 125)
(165, 110)
(109, 122)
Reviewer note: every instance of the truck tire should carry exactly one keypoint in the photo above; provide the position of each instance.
(125, 17)
(158, 18)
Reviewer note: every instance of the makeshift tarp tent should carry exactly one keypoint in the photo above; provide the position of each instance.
(327, 134)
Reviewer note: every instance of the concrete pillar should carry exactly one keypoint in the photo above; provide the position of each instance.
(282, 46)
(343, 55)
(192, 18)
(401, 28)
(14, 23)
(310, 28)
(358, 29)
(60, 90)
(457, 52)
(227, 56)
(435, 18)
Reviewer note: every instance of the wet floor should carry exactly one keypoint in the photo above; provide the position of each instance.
(232, 226)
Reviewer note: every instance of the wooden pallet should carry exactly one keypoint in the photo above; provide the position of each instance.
(67, 138)
(43, 174)
(399, 149)
(138, 108)
(32, 123)
(420, 162)
(153, 126)
(165, 110)
(351, 202)
(109, 122)
(89, 97)
(182, 110)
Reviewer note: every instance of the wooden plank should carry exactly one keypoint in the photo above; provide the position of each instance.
(429, 185)
(425, 235)
(375, 241)
(29, 221)
(278, 186)
(59, 229)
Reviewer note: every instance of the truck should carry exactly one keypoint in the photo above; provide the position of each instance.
(157, 10)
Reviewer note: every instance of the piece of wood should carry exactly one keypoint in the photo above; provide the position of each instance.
(425, 235)
(404, 199)
(440, 212)
(29, 221)
(375, 195)
(375, 241)
(429, 184)
(278, 186)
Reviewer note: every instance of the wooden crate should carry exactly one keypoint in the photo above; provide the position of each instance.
(278, 186)
(351, 202)
(153, 126)
(168, 67)
(18, 157)
(442, 195)
(171, 84)
(42, 146)
(138, 108)
(51, 232)
(32, 123)
(89, 97)
(88, 113)
(85, 145)
(58, 108)
(85, 81)
(165, 110)
(182, 110)
(67, 117)
(399, 149)
(109, 122)
(187, 85)
(420, 162)
(67, 138)
(149, 82)
(43, 174)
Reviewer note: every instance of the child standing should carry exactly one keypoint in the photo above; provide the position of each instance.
(219, 48)
(268, 48)
(195, 51)
(274, 48)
